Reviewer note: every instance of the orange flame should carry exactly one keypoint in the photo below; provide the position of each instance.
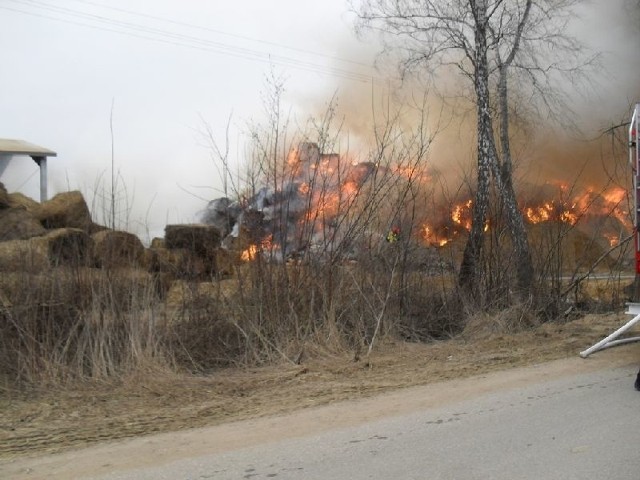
(249, 254)
(429, 236)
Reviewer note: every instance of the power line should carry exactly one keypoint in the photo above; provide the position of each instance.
(188, 41)
(222, 32)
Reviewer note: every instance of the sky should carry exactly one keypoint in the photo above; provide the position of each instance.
(137, 82)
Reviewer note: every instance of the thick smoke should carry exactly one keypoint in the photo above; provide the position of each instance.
(579, 147)
(584, 150)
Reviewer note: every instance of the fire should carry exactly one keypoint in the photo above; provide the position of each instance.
(429, 236)
(550, 211)
(461, 214)
(612, 238)
(304, 188)
(589, 203)
(413, 173)
(319, 191)
(249, 254)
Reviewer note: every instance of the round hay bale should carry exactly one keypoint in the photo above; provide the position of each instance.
(65, 210)
(18, 200)
(4, 197)
(18, 224)
(96, 227)
(66, 246)
(113, 248)
(23, 256)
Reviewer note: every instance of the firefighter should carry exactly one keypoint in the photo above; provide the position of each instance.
(394, 235)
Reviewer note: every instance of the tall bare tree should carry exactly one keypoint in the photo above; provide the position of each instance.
(487, 42)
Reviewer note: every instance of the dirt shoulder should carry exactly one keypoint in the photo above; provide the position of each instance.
(40, 423)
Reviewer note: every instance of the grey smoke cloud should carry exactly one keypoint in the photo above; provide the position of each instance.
(544, 149)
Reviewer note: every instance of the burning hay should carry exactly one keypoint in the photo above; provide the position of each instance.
(305, 211)
(320, 205)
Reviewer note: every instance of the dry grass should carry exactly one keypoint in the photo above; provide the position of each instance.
(156, 400)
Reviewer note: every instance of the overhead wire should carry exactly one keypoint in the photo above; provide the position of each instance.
(188, 41)
(224, 33)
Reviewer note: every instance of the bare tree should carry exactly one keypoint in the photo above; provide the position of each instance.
(487, 42)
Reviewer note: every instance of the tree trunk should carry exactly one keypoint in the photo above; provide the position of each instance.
(515, 221)
(469, 269)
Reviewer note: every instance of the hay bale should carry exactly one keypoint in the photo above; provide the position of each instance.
(65, 210)
(227, 261)
(112, 248)
(17, 200)
(178, 263)
(203, 240)
(4, 196)
(23, 256)
(96, 227)
(158, 242)
(18, 224)
(65, 246)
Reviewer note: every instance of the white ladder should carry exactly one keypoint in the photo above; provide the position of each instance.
(610, 341)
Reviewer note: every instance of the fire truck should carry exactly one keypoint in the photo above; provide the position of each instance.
(634, 161)
(633, 308)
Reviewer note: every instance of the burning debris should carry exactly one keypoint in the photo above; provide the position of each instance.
(309, 209)
(302, 212)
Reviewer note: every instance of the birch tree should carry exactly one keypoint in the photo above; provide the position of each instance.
(488, 42)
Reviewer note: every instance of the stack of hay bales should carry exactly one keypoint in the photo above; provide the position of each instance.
(187, 252)
(37, 237)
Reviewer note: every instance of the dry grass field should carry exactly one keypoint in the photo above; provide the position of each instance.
(54, 419)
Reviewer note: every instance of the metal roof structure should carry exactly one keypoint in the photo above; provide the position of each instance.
(10, 147)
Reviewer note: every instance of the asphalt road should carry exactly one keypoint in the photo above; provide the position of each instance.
(532, 423)
(582, 427)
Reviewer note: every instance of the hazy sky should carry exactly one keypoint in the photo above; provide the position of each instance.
(166, 64)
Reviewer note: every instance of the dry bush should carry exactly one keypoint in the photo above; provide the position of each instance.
(329, 277)
(76, 323)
